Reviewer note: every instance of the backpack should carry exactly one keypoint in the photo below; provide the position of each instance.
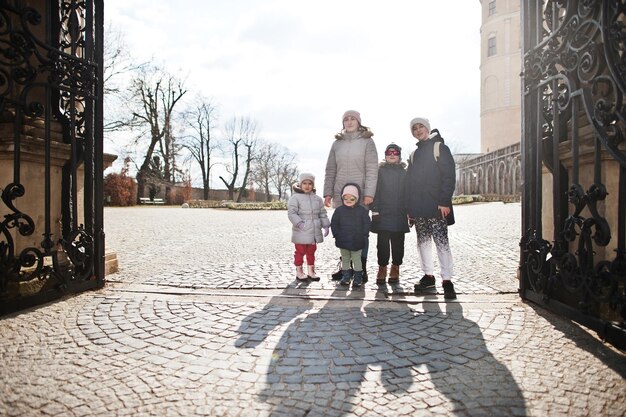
(436, 152)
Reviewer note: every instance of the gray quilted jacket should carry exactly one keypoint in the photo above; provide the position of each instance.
(308, 208)
(352, 158)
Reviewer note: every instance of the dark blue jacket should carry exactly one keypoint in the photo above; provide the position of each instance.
(429, 183)
(350, 225)
(389, 201)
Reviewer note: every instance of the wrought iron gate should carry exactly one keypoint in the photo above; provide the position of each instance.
(573, 254)
(51, 229)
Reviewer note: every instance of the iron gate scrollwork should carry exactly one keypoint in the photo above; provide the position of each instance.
(573, 253)
(51, 231)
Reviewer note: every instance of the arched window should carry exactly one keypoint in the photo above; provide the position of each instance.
(490, 92)
(501, 179)
(490, 179)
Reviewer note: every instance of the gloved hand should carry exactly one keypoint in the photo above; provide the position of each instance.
(326, 230)
(411, 222)
(375, 216)
(300, 225)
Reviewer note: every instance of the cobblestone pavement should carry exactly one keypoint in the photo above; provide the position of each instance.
(204, 319)
(235, 249)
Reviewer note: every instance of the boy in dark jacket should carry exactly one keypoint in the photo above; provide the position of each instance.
(430, 182)
(350, 225)
(389, 219)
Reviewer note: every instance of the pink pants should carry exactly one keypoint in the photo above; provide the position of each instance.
(301, 251)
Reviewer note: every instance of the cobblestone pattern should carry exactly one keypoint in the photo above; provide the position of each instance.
(124, 351)
(208, 248)
(163, 355)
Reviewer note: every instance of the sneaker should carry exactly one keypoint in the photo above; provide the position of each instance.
(426, 283)
(448, 290)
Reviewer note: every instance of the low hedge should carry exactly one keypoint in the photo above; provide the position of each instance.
(274, 205)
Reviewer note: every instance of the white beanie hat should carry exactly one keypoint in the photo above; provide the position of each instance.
(421, 120)
(307, 176)
(352, 113)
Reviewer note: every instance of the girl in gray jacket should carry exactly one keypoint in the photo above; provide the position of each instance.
(308, 217)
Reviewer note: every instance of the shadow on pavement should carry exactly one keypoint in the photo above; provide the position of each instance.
(585, 341)
(349, 358)
(461, 367)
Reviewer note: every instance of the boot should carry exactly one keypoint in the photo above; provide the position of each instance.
(364, 262)
(346, 277)
(358, 278)
(394, 274)
(337, 275)
(300, 275)
(382, 274)
(311, 273)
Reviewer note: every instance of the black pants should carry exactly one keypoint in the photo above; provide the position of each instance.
(397, 247)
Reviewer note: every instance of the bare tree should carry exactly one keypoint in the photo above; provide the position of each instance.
(263, 167)
(154, 94)
(284, 172)
(201, 118)
(250, 148)
(241, 138)
(118, 67)
(274, 169)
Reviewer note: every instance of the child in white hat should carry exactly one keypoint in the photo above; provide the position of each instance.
(310, 224)
(350, 225)
(430, 182)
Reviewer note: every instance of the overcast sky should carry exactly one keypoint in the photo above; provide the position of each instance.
(296, 66)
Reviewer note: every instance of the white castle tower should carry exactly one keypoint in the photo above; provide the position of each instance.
(500, 68)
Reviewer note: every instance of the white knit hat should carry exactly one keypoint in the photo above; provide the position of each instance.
(307, 176)
(352, 113)
(421, 120)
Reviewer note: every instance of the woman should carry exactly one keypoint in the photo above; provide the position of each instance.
(352, 159)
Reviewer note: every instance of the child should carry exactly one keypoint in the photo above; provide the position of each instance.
(307, 214)
(430, 182)
(389, 219)
(351, 225)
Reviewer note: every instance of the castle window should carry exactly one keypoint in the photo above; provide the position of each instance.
(491, 46)
(492, 7)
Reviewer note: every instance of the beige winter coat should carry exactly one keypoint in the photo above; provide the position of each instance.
(351, 160)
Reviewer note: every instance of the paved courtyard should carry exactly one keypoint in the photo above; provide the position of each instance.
(205, 318)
